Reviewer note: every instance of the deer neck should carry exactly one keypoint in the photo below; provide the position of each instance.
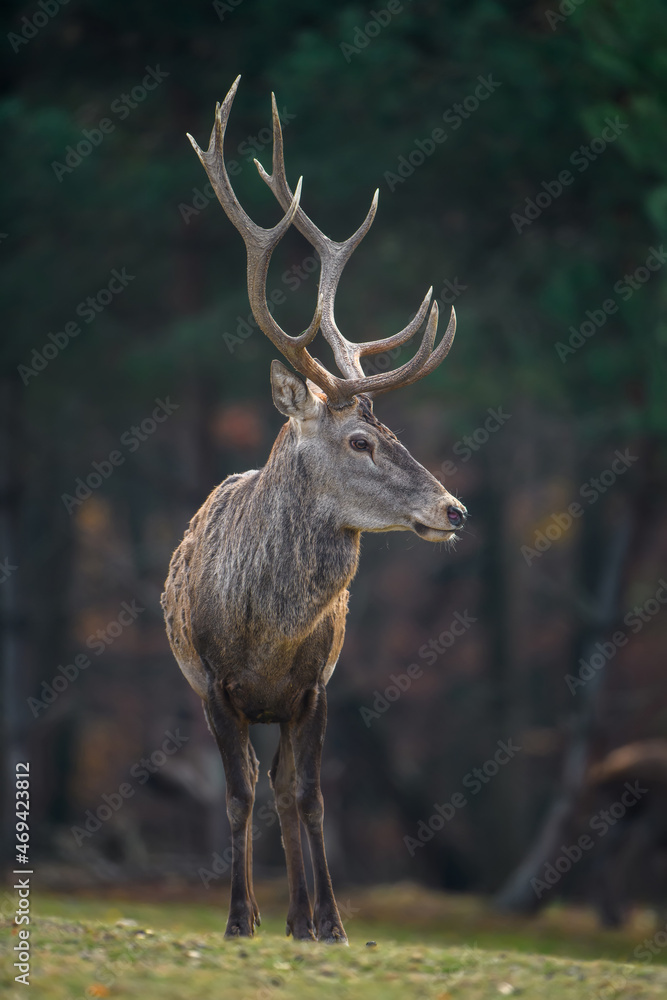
(310, 558)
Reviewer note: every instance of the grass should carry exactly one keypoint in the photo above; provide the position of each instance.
(427, 945)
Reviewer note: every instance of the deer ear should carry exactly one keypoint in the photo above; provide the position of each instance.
(291, 395)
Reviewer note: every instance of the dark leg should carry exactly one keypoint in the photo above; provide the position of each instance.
(231, 735)
(307, 733)
(254, 771)
(282, 774)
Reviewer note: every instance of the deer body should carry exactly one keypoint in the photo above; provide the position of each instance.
(257, 592)
(273, 571)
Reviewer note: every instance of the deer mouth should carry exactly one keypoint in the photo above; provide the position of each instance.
(433, 534)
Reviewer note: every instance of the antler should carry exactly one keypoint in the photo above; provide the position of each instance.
(260, 244)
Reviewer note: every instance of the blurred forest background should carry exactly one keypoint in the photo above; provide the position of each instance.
(125, 301)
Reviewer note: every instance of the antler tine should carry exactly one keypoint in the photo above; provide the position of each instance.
(213, 163)
(398, 339)
(338, 253)
(407, 374)
(423, 363)
(260, 244)
(374, 384)
(333, 257)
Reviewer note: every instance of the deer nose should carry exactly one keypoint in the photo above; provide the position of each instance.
(457, 516)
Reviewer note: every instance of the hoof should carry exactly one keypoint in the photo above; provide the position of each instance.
(335, 937)
(236, 931)
(240, 925)
(301, 928)
(331, 932)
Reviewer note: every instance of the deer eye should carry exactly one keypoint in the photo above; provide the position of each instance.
(359, 444)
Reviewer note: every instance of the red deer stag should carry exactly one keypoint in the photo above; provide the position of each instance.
(256, 597)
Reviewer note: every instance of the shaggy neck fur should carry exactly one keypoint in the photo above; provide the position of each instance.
(281, 559)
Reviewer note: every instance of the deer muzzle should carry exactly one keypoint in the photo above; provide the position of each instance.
(445, 520)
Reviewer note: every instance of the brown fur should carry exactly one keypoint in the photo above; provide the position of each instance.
(255, 606)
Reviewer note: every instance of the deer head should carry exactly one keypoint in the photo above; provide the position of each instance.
(370, 481)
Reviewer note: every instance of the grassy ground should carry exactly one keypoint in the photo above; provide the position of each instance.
(426, 946)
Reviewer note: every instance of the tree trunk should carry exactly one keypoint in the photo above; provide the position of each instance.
(517, 895)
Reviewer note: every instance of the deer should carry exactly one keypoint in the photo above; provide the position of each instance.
(256, 598)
